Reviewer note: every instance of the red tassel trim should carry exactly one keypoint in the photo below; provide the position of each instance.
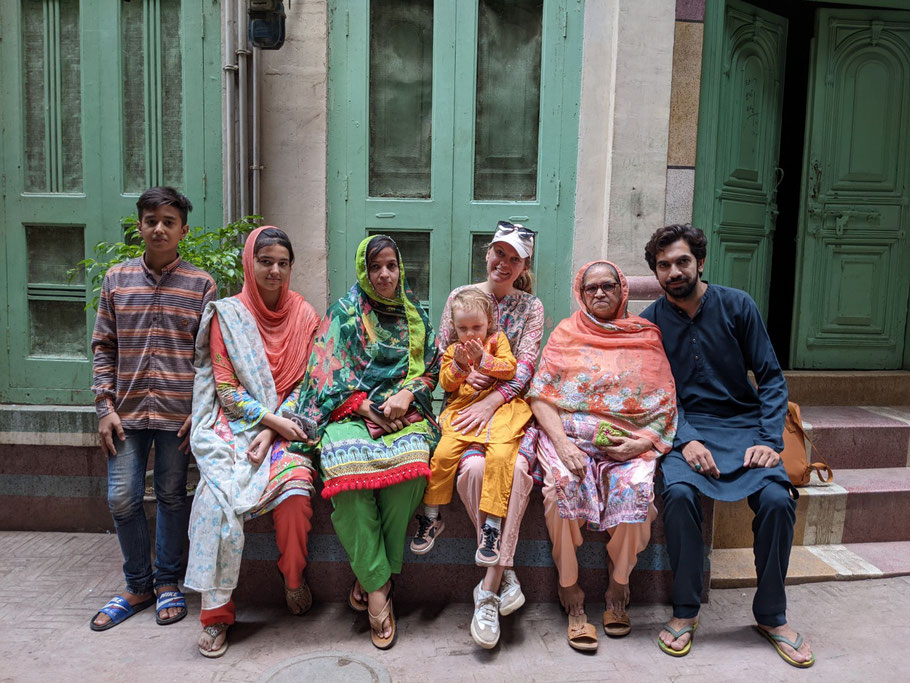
(348, 407)
(377, 480)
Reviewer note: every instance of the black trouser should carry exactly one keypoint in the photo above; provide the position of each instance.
(772, 530)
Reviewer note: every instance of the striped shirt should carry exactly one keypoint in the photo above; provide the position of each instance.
(144, 342)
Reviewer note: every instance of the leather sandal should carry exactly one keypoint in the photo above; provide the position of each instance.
(376, 621)
(299, 600)
(616, 624)
(353, 602)
(582, 635)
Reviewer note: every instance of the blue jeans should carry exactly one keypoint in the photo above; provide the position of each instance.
(125, 490)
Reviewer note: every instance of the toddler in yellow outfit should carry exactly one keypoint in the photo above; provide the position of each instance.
(489, 354)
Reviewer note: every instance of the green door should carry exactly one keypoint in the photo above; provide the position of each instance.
(853, 277)
(741, 197)
(445, 117)
(98, 102)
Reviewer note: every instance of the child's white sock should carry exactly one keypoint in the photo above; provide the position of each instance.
(431, 511)
(494, 521)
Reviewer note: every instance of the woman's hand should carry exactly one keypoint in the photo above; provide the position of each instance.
(575, 459)
(288, 429)
(477, 415)
(389, 425)
(478, 381)
(397, 405)
(260, 445)
(625, 448)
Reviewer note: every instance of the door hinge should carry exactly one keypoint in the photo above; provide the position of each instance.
(202, 30)
(347, 23)
(204, 186)
(346, 180)
(558, 190)
(564, 21)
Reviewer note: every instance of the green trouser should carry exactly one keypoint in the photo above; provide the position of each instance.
(372, 526)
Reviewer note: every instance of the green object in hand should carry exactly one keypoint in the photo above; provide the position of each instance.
(606, 433)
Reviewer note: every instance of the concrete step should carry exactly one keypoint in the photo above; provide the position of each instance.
(849, 387)
(861, 506)
(735, 567)
(859, 436)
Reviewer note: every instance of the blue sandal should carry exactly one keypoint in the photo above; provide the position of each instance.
(119, 610)
(166, 600)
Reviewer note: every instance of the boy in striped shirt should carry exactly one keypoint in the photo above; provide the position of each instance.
(143, 346)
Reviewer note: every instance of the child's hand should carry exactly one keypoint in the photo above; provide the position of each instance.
(462, 357)
(475, 351)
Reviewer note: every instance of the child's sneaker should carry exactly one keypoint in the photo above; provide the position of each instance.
(485, 624)
(510, 595)
(488, 551)
(427, 531)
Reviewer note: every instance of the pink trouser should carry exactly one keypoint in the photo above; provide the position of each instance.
(469, 486)
(623, 546)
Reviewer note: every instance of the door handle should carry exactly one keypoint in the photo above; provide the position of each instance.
(817, 182)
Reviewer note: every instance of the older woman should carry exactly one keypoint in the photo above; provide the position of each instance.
(605, 405)
(251, 355)
(520, 316)
(371, 375)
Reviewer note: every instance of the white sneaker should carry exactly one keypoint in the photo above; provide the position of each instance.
(510, 595)
(485, 624)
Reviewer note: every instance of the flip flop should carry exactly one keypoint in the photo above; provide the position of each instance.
(119, 610)
(582, 635)
(215, 630)
(616, 624)
(775, 640)
(376, 625)
(691, 628)
(354, 603)
(168, 599)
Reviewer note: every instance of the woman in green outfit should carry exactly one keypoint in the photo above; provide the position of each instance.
(371, 374)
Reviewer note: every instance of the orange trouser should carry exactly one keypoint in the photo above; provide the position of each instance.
(497, 474)
(292, 526)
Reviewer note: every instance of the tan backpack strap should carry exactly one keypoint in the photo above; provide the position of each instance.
(820, 467)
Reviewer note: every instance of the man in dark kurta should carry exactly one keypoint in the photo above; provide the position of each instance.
(729, 436)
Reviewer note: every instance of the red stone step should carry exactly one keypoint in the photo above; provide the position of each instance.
(856, 437)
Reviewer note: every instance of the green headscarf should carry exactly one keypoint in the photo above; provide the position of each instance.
(417, 332)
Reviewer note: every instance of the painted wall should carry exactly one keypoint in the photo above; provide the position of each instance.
(294, 144)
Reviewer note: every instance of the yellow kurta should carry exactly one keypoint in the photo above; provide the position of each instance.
(498, 362)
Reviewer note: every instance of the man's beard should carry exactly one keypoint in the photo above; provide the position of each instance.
(681, 289)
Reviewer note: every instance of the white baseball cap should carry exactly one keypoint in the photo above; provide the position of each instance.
(517, 236)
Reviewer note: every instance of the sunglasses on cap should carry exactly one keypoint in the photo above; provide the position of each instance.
(525, 234)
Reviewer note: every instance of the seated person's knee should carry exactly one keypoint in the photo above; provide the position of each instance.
(679, 494)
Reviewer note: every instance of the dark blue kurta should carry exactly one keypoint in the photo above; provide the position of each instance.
(710, 355)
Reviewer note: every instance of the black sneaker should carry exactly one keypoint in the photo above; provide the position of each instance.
(488, 551)
(427, 531)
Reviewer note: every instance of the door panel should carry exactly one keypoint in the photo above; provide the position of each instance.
(853, 280)
(93, 104)
(746, 173)
(445, 118)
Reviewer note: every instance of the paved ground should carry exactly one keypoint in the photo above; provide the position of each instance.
(52, 583)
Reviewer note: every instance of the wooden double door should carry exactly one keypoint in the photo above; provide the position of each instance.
(850, 278)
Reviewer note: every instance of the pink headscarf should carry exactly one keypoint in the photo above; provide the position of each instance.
(287, 332)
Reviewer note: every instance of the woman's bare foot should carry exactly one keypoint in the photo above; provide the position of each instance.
(617, 596)
(803, 654)
(132, 598)
(676, 624)
(168, 612)
(360, 595)
(375, 602)
(572, 599)
(209, 643)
